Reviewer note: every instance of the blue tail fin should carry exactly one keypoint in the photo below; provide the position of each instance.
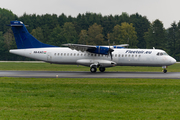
(23, 38)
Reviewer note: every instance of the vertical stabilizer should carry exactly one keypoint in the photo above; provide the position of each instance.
(23, 38)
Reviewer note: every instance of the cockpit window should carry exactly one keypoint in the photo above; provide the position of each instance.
(161, 53)
(165, 53)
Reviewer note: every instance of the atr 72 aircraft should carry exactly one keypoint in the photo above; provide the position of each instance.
(86, 55)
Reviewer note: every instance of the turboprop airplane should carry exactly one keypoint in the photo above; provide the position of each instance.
(87, 55)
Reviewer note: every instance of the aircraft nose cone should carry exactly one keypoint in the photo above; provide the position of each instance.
(173, 60)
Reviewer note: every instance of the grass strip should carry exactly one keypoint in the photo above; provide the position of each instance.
(58, 67)
(89, 98)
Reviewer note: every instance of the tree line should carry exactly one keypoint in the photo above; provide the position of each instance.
(91, 29)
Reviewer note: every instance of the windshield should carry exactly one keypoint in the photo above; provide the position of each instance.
(161, 53)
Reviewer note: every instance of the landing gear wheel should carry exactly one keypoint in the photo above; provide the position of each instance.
(93, 69)
(164, 71)
(102, 69)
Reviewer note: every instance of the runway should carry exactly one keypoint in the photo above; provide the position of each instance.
(65, 74)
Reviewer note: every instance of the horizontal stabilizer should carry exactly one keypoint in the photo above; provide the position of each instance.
(16, 23)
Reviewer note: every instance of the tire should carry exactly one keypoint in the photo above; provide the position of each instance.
(93, 69)
(164, 71)
(102, 69)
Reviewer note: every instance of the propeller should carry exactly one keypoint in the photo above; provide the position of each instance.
(110, 52)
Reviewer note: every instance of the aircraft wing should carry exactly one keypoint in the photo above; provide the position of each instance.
(121, 46)
(80, 47)
(104, 50)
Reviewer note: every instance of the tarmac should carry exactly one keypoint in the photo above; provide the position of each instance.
(80, 74)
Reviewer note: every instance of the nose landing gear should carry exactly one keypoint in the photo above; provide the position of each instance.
(164, 67)
(164, 71)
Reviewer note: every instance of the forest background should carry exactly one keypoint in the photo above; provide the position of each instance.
(91, 29)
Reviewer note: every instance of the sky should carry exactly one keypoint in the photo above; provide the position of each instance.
(167, 11)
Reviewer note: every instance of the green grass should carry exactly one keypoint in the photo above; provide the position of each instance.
(82, 98)
(58, 67)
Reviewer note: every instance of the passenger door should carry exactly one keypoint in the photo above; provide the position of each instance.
(49, 56)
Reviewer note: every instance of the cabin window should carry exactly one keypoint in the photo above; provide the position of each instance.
(81, 54)
(122, 55)
(78, 54)
(55, 54)
(74, 54)
(125, 55)
(67, 54)
(64, 54)
(61, 54)
(71, 54)
(58, 54)
(119, 55)
(132, 55)
(139, 55)
(135, 55)
(91, 54)
(129, 55)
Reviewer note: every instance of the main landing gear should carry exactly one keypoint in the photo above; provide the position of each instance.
(102, 69)
(164, 67)
(93, 69)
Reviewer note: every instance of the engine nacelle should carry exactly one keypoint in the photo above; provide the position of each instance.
(101, 50)
(90, 62)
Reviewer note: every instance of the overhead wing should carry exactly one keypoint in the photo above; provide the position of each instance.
(80, 47)
(121, 46)
(104, 50)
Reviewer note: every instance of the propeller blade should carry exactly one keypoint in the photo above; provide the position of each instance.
(111, 55)
(110, 52)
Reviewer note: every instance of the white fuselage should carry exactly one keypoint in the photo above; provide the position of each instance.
(122, 57)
